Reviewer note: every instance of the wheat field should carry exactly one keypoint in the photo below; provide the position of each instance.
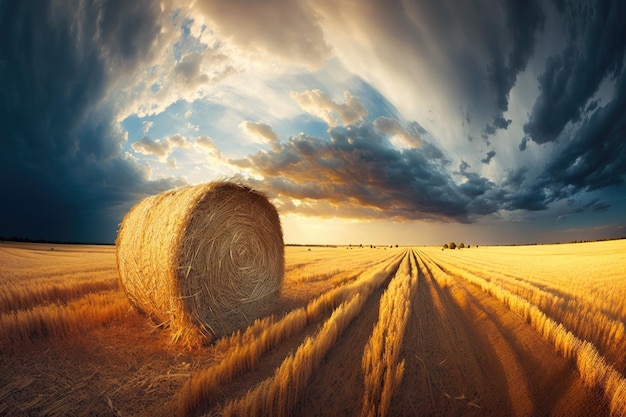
(385, 331)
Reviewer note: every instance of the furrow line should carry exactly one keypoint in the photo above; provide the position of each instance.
(245, 350)
(382, 368)
(280, 394)
(591, 365)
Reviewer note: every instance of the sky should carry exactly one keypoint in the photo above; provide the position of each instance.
(364, 122)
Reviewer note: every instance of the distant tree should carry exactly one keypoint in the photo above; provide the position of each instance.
(461, 246)
(452, 245)
(396, 245)
(445, 246)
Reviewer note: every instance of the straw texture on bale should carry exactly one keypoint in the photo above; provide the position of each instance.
(204, 260)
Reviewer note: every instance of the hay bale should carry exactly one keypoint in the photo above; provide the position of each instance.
(204, 260)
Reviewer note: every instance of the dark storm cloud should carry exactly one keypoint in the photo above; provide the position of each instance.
(523, 144)
(595, 52)
(592, 156)
(358, 170)
(515, 192)
(595, 205)
(595, 157)
(489, 157)
(523, 21)
(527, 198)
(469, 54)
(62, 170)
(416, 129)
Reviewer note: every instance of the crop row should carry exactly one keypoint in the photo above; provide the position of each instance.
(594, 370)
(244, 350)
(382, 368)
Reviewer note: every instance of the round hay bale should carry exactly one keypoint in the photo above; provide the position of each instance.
(204, 260)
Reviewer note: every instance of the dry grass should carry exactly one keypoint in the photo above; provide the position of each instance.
(204, 260)
(572, 284)
(590, 362)
(53, 320)
(331, 266)
(93, 355)
(278, 396)
(244, 350)
(382, 369)
(58, 293)
(20, 297)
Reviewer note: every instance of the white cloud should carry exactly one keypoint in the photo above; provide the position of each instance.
(147, 125)
(320, 105)
(207, 144)
(162, 149)
(179, 141)
(183, 67)
(270, 30)
(260, 131)
(400, 137)
(189, 72)
(155, 147)
(229, 58)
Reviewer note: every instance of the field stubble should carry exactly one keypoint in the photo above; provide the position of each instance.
(398, 331)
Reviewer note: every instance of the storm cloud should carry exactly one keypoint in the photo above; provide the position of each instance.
(595, 157)
(356, 172)
(488, 157)
(361, 110)
(592, 156)
(62, 166)
(594, 53)
(466, 55)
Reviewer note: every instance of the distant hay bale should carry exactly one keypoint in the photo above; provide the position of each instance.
(204, 260)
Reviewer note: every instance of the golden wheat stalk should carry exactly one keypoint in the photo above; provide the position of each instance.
(382, 370)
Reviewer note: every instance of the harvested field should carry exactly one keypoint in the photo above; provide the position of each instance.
(489, 331)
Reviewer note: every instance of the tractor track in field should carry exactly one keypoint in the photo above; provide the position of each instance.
(519, 369)
(448, 367)
(360, 328)
(337, 386)
(465, 353)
